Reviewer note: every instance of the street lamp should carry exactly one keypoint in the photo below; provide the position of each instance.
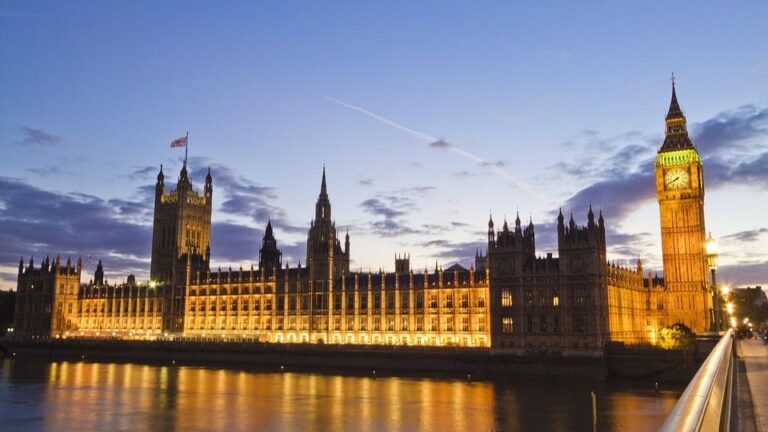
(712, 254)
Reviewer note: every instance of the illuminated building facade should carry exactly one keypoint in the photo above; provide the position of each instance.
(511, 300)
(680, 191)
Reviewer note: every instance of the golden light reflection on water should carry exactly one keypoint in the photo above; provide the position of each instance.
(90, 396)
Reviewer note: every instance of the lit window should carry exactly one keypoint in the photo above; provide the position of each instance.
(507, 325)
(555, 301)
(506, 298)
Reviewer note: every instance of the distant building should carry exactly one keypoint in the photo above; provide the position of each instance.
(511, 299)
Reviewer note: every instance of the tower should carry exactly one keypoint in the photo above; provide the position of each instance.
(182, 224)
(680, 191)
(270, 257)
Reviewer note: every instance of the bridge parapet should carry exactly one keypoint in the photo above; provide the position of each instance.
(705, 404)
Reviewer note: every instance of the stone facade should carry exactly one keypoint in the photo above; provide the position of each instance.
(511, 299)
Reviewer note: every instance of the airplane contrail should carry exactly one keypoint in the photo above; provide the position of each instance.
(439, 143)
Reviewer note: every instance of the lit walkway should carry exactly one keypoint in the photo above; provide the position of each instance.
(755, 356)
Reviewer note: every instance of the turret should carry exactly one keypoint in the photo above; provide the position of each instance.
(590, 218)
(208, 184)
(491, 234)
(346, 244)
(98, 275)
(21, 265)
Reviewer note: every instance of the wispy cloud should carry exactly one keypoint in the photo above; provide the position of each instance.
(37, 137)
(441, 144)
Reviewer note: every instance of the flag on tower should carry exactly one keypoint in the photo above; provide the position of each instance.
(180, 142)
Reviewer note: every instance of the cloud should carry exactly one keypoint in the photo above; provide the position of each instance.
(37, 137)
(622, 179)
(746, 236)
(48, 170)
(392, 208)
(38, 222)
(743, 274)
(242, 197)
(368, 181)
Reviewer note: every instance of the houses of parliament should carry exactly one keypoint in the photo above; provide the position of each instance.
(512, 299)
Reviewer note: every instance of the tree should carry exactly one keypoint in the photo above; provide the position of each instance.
(677, 336)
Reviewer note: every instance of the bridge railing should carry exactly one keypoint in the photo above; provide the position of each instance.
(705, 404)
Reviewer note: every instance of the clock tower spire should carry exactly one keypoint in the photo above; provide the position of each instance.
(680, 192)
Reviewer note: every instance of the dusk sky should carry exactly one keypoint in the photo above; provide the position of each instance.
(426, 115)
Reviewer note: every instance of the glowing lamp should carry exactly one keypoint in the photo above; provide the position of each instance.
(712, 252)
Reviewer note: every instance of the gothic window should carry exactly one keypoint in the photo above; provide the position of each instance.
(449, 324)
(404, 300)
(377, 300)
(578, 323)
(465, 300)
(529, 296)
(390, 323)
(480, 301)
(350, 301)
(448, 300)
(556, 326)
(364, 301)
(433, 301)
(419, 300)
(337, 301)
(579, 296)
(433, 324)
(555, 301)
(465, 323)
(543, 324)
(529, 323)
(506, 297)
(419, 324)
(507, 325)
(390, 300)
(481, 324)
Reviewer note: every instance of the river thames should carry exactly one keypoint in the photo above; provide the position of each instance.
(84, 396)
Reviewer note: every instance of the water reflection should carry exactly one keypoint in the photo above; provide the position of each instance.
(82, 396)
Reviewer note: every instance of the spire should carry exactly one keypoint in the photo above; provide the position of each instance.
(208, 177)
(160, 175)
(560, 217)
(490, 221)
(674, 111)
(268, 232)
(676, 134)
(517, 222)
(323, 188)
(600, 221)
(591, 217)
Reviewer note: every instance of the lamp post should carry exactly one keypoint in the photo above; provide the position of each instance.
(712, 254)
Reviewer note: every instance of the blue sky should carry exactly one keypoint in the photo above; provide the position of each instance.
(541, 105)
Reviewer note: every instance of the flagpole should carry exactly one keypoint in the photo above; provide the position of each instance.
(185, 149)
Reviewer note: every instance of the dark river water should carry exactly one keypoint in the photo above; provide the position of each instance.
(84, 396)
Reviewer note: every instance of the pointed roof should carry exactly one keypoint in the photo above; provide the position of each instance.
(323, 188)
(676, 135)
(674, 111)
(268, 232)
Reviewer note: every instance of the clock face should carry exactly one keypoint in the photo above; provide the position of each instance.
(677, 179)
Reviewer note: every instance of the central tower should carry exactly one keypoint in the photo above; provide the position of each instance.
(680, 191)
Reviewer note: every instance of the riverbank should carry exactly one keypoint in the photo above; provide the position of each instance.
(477, 363)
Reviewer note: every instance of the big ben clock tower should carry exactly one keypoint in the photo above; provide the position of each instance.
(680, 190)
